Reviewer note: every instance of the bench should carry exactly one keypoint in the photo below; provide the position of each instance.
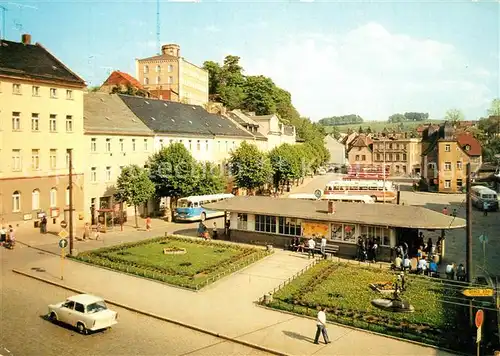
(329, 250)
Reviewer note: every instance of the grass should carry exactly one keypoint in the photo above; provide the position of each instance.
(345, 291)
(378, 126)
(203, 263)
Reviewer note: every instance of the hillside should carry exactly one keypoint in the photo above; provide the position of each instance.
(377, 126)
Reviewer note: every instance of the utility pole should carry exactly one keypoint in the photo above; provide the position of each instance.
(383, 168)
(70, 182)
(468, 233)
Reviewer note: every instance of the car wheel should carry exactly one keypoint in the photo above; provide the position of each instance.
(203, 216)
(374, 197)
(81, 329)
(53, 317)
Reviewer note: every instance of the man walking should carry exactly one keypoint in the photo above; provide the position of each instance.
(311, 244)
(486, 206)
(321, 326)
(323, 246)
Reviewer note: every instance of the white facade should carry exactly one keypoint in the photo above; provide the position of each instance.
(336, 149)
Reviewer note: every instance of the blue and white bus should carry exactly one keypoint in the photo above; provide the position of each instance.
(190, 208)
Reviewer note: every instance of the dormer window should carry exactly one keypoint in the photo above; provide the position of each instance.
(467, 147)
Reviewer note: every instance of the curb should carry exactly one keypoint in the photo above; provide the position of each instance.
(156, 316)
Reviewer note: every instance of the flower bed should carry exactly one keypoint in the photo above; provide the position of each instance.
(344, 290)
(204, 263)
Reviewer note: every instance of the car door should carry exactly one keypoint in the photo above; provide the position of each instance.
(78, 314)
(66, 312)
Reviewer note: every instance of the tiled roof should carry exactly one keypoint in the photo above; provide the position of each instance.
(107, 113)
(164, 56)
(121, 78)
(393, 215)
(244, 117)
(263, 117)
(34, 62)
(173, 117)
(465, 139)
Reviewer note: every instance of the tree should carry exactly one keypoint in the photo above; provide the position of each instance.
(260, 95)
(134, 187)
(360, 130)
(209, 179)
(416, 116)
(341, 120)
(128, 90)
(335, 132)
(396, 118)
(494, 109)
(286, 164)
(454, 115)
(250, 167)
(174, 172)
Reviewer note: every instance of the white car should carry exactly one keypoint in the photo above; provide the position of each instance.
(321, 171)
(85, 312)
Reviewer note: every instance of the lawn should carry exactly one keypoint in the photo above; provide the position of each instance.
(202, 263)
(378, 126)
(345, 291)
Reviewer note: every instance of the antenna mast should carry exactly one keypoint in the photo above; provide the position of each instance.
(3, 34)
(158, 44)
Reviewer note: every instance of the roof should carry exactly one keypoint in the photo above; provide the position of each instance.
(263, 117)
(384, 215)
(107, 113)
(236, 118)
(160, 57)
(121, 78)
(465, 139)
(243, 118)
(360, 141)
(85, 299)
(172, 117)
(34, 62)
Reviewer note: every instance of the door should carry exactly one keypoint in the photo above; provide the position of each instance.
(78, 314)
(66, 312)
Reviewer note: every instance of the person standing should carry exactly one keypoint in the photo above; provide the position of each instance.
(214, 231)
(374, 251)
(445, 211)
(321, 326)
(323, 246)
(86, 232)
(228, 229)
(311, 244)
(148, 223)
(44, 225)
(3, 235)
(98, 231)
(486, 206)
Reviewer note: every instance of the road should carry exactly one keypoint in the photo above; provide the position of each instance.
(24, 331)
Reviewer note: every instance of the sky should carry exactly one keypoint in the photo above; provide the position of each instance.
(373, 59)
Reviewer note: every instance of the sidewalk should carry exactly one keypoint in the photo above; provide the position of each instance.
(227, 306)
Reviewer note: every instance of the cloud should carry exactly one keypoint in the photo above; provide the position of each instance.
(212, 28)
(372, 72)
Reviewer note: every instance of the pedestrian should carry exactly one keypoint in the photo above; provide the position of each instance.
(214, 231)
(98, 231)
(445, 211)
(86, 232)
(311, 244)
(374, 251)
(486, 206)
(3, 235)
(323, 246)
(148, 223)
(454, 214)
(321, 326)
(228, 229)
(12, 236)
(44, 225)
(450, 271)
(359, 251)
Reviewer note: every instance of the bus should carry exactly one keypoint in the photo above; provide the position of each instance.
(481, 194)
(372, 188)
(366, 199)
(190, 208)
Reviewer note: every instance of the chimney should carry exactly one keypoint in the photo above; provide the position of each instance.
(26, 39)
(331, 207)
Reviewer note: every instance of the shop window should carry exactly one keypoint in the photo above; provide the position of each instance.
(336, 232)
(242, 221)
(350, 233)
(265, 223)
(290, 226)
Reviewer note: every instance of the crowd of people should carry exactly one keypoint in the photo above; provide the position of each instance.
(8, 236)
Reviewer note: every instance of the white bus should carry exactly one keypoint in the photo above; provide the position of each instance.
(481, 194)
(190, 208)
(366, 199)
(373, 188)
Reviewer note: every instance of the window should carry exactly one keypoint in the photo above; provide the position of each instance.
(69, 304)
(35, 160)
(198, 145)
(53, 92)
(53, 198)
(158, 69)
(69, 94)
(459, 183)
(378, 156)
(459, 165)
(158, 80)
(363, 158)
(290, 226)
(108, 145)
(53, 123)
(93, 174)
(121, 145)
(349, 233)
(133, 144)
(69, 123)
(379, 234)
(16, 160)
(145, 144)
(227, 146)
(447, 183)
(16, 201)
(161, 143)
(357, 157)
(67, 196)
(390, 145)
(146, 69)
(35, 200)
(67, 158)
(336, 232)
(146, 81)
(35, 123)
(219, 147)
(447, 166)
(242, 221)
(170, 68)
(16, 121)
(93, 145)
(171, 141)
(170, 80)
(35, 91)
(404, 156)
(447, 147)
(108, 174)
(206, 145)
(190, 145)
(16, 89)
(398, 157)
(79, 308)
(265, 223)
(53, 159)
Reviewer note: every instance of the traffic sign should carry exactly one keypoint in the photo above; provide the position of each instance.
(63, 234)
(479, 318)
(63, 243)
(318, 193)
(483, 238)
(479, 292)
(64, 224)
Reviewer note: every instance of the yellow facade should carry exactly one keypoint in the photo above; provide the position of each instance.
(452, 161)
(39, 122)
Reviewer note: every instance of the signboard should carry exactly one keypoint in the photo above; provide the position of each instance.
(318, 193)
(64, 224)
(54, 212)
(27, 217)
(479, 292)
(479, 318)
(483, 238)
(309, 229)
(63, 243)
(63, 234)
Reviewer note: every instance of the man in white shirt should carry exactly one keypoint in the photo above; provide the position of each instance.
(311, 244)
(321, 327)
(422, 265)
(323, 246)
(406, 264)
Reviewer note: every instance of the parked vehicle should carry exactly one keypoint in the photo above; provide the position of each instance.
(321, 171)
(366, 199)
(190, 208)
(85, 312)
(481, 195)
(378, 190)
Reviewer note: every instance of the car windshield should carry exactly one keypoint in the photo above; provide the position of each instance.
(96, 307)
(184, 204)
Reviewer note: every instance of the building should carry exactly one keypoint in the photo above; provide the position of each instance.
(41, 118)
(445, 156)
(122, 82)
(359, 151)
(169, 76)
(336, 149)
(402, 153)
(276, 221)
(251, 126)
(114, 138)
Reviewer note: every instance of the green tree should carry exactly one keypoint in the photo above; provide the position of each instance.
(134, 187)
(286, 163)
(174, 172)
(260, 95)
(335, 132)
(214, 75)
(454, 115)
(396, 118)
(209, 179)
(250, 167)
(494, 109)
